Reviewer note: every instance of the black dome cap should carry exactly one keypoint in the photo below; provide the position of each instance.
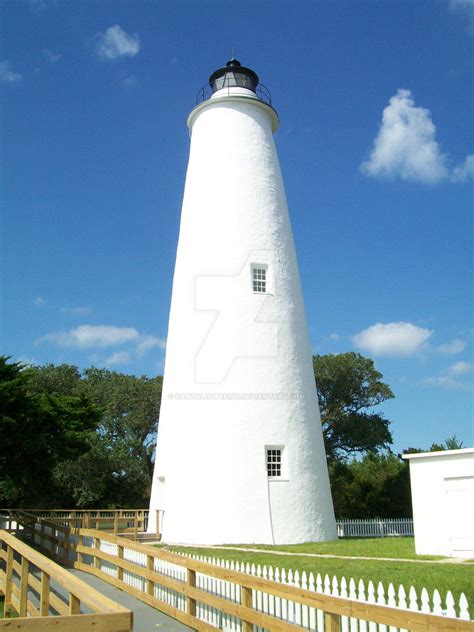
(233, 74)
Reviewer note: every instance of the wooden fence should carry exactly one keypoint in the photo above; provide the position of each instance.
(136, 521)
(132, 521)
(44, 595)
(209, 596)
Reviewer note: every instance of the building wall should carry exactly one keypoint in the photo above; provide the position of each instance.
(442, 485)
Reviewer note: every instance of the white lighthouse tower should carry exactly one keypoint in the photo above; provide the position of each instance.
(240, 455)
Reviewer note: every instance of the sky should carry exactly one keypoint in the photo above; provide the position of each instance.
(376, 148)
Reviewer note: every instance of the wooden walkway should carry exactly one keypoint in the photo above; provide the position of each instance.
(145, 618)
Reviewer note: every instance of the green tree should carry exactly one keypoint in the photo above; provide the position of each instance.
(451, 443)
(64, 379)
(118, 468)
(38, 431)
(376, 486)
(348, 386)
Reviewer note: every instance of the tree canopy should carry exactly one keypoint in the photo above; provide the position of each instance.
(118, 466)
(39, 431)
(376, 486)
(348, 386)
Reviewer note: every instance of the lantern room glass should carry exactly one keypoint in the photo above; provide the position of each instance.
(233, 79)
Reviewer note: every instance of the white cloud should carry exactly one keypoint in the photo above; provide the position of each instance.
(103, 336)
(446, 381)
(119, 357)
(441, 380)
(464, 171)
(116, 43)
(130, 81)
(92, 336)
(458, 368)
(465, 8)
(7, 75)
(149, 342)
(50, 56)
(461, 5)
(39, 301)
(451, 348)
(76, 311)
(334, 336)
(392, 339)
(27, 360)
(37, 6)
(406, 147)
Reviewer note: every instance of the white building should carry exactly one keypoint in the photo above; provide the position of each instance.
(442, 489)
(240, 453)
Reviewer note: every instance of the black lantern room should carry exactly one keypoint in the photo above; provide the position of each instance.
(233, 75)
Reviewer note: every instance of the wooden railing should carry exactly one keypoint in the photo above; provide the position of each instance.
(145, 572)
(37, 589)
(126, 521)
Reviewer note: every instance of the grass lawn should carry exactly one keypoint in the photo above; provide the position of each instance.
(401, 548)
(13, 615)
(458, 578)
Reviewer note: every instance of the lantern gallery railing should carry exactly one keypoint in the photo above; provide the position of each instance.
(42, 595)
(209, 597)
(206, 91)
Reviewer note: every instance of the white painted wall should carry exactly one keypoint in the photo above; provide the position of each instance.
(442, 488)
(238, 374)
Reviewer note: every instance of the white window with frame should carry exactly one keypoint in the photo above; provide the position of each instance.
(259, 278)
(275, 462)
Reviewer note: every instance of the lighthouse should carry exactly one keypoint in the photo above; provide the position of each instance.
(240, 455)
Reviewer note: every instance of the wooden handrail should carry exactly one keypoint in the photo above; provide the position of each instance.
(73, 511)
(28, 573)
(332, 605)
(117, 520)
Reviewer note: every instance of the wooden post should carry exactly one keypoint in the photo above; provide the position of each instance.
(65, 547)
(41, 535)
(150, 584)
(8, 583)
(44, 595)
(331, 622)
(135, 527)
(116, 523)
(96, 559)
(120, 556)
(74, 604)
(80, 542)
(190, 602)
(158, 534)
(25, 567)
(247, 602)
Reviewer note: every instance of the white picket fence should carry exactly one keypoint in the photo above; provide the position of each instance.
(308, 618)
(374, 527)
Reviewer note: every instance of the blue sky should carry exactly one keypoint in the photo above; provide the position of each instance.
(376, 148)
